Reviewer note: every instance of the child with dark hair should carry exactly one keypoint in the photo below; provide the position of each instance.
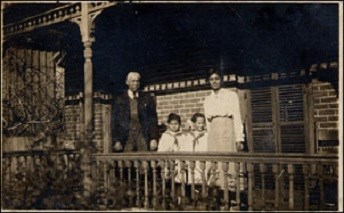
(199, 134)
(173, 137)
(173, 140)
(198, 137)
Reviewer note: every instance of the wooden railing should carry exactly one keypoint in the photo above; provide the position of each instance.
(263, 181)
(53, 180)
(40, 179)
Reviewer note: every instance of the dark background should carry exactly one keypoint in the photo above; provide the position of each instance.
(169, 42)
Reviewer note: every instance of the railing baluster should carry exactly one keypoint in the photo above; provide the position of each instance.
(172, 168)
(182, 171)
(130, 192)
(7, 169)
(121, 171)
(305, 169)
(262, 169)
(14, 170)
(250, 186)
(21, 169)
(145, 168)
(320, 171)
(163, 169)
(276, 171)
(101, 179)
(204, 180)
(98, 188)
(192, 172)
(237, 173)
(225, 167)
(291, 186)
(155, 194)
(137, 170)
(106, 183)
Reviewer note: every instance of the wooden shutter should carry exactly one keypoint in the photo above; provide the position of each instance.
(291, 116)
(261, 117)
(277, 125)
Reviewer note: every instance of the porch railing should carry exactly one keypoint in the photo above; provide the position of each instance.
(263, 181)
(40, 179)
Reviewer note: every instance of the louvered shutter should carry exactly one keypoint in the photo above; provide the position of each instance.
(262, 126)
(262, 130)
(291, 116)
(277, 118)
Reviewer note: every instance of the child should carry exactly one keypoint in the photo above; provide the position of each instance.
(199, 140)
(199, 135)
(172, 139)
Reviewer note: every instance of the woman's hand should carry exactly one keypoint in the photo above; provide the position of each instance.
(240, 145)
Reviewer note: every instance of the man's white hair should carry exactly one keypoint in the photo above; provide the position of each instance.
(131, 75)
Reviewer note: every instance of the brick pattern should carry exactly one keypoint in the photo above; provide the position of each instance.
(73, 120)
(325, 106)
(184, 104)
(101, 125)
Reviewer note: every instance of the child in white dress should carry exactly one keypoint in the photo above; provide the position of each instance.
(174, 140)
(198, 138)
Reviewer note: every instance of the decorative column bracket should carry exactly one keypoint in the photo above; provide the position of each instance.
(57, 15)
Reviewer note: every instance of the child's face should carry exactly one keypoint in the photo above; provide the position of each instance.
(174, 126)
(200, 123)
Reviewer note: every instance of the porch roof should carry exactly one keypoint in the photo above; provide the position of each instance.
(186, 39)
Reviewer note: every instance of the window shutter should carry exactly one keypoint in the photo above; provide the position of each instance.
(291, 117)
(262, 128)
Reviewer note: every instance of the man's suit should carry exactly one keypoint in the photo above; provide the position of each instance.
(147, 115)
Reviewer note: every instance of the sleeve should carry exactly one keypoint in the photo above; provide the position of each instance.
(238, 126)
(164, 143)
(153, 122)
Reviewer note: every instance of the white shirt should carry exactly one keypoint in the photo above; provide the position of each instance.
(171, 141)
(131, 94)
(197, 141)
(225, 103)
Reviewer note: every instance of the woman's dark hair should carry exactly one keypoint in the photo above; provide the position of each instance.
(214, 71)
(197, 115)
(175, 117)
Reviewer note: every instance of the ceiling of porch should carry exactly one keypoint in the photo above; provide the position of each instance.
(179, 41)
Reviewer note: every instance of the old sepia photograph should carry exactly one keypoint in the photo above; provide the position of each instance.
(171, 106)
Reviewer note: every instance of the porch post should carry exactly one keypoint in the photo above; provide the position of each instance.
(87, 25)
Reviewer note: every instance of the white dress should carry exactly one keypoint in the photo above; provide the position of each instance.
(225, 128)
(199, 143)
(174, 142)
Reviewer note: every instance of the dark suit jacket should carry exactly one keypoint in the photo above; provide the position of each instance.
(147, 117)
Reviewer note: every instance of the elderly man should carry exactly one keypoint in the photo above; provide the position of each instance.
(135, 118)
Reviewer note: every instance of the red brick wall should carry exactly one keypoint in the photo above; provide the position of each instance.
(325, 109)
(184, 104)
(101, 125)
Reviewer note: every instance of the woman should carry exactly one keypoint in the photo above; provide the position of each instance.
(225, 129)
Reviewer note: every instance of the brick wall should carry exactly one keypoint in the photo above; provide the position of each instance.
(325, 110)
(184, 104)
(101, 125)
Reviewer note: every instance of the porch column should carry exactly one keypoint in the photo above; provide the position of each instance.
(87, 25)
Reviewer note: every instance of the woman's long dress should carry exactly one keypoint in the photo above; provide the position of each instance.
(222, 109)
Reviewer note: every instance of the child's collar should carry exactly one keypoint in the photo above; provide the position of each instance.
(203, 131)
(174, 133)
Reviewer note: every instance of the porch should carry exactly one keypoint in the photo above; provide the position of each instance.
(143, 181)
(286, 109)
